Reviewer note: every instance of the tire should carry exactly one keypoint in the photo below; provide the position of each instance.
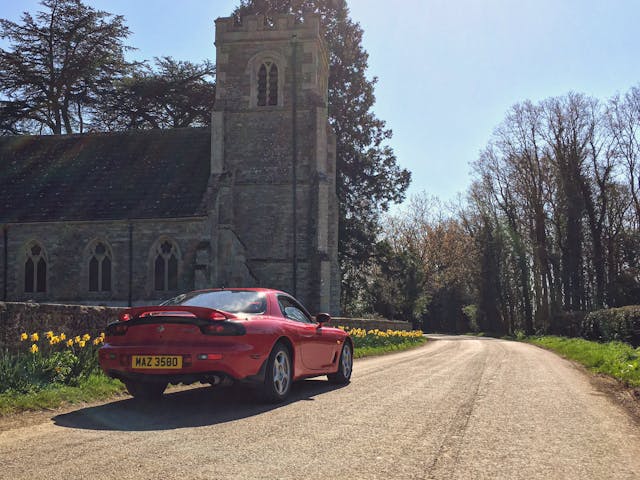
(278, 375)
(345, 366)
(145, 390)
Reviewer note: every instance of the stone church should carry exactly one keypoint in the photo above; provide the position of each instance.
(136, 217)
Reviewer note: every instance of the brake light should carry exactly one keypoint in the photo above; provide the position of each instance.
(125, 317)
(223, 329)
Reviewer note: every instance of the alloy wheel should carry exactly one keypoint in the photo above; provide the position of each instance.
(281, 372)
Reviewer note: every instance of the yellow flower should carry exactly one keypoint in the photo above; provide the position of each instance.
(34, 348)
(102, 335)
(63, 337)
(70, 343)
(49, 334)
(34, 337)
(86, 337)
(82, 343)
(23, 337)
(77, 339)
(97, 340)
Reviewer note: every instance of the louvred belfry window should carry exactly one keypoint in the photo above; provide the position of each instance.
(100, 268)
(267, 84)
(35, 269)
(166, 267)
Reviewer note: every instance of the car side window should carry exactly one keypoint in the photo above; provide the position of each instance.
(292, 311)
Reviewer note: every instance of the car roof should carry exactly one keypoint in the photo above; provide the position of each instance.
(241, 289)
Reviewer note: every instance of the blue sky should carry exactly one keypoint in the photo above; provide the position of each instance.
(447, 70)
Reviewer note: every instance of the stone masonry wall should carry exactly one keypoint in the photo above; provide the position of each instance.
(255, 143)
(67, 253)
(16, 318)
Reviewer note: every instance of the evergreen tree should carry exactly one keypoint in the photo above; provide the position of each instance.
(56, 66)
(175, 94)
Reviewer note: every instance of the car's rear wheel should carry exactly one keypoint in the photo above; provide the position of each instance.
(145, 390)
(345, 366)
(278, 375)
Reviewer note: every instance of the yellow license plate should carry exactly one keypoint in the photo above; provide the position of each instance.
(156, 361)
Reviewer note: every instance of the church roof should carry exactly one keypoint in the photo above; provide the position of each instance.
(104, 176)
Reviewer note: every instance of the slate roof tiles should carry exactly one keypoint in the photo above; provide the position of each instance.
(104, 176)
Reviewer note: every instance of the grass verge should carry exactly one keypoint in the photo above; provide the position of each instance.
(361, 352)
(616, 359)
(95, 387)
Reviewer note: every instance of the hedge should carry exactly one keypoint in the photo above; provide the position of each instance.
(622, 324)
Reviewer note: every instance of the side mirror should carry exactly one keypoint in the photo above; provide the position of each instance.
(323, 318)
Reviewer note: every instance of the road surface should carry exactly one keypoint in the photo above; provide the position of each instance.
(458, 408)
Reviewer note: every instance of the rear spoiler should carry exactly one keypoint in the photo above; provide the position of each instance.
(188, 311)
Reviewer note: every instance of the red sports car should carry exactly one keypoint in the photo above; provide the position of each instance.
(253, 335)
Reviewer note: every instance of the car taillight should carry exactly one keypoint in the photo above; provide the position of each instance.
(124, 317)
(117, 329)
(223, 329)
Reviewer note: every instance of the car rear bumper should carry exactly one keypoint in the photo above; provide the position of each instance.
(237, 362)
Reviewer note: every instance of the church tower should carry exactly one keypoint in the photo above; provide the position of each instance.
(274, 155)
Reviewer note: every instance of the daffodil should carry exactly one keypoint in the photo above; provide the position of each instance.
(49, 335)
(77, 339)
(82, 343)
(86, 337)
(23, 337)
(34, 348)
(70, 343)
(34, 337)
(63, 337)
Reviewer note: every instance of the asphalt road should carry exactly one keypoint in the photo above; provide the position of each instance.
(458, 408)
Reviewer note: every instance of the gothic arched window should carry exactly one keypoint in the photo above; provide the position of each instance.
(100, 268)
(165, 266)
(267, 84)
(35, 269)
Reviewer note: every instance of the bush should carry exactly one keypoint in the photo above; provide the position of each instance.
(375, 341)
(47, 359)
(622, 324)
(567, 324)
(471, 314)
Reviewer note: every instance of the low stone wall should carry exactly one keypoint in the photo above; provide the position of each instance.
(370, 324)
(16, 318)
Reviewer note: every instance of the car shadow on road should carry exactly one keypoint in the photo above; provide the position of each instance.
(194, 407)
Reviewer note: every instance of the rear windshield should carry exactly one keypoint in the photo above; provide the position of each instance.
(232, 301)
